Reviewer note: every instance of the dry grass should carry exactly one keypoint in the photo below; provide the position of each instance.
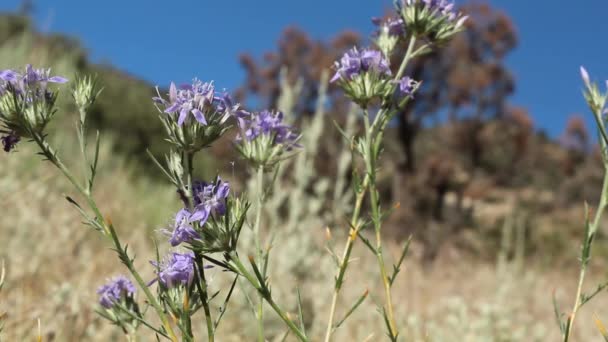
(55, 264)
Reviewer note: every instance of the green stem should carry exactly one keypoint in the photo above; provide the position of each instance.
(198, 256)
(204, 297)
(406, 59)
(585, 260)
(142, 321)
(372, 152)
(265, 292)
(345, 257)
(259, 252)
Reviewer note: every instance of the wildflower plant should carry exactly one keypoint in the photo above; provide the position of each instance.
(205, 231)
(367, 79)
(596, 100)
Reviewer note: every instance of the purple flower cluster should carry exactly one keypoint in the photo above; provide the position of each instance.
(10, 141)
(355, 62)
(209, 199)
(183, 231)
(35, 80)
(198, 99)
(116, 290)
(393, 26)
(442, 7)
(177, 270)
(445, 7)
(266, 123)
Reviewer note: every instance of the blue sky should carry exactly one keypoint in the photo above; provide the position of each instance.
(163, 41)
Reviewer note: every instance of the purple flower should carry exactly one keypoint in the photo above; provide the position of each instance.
(116, 290)
(393, 26)
(31, 79)
(444, 7)
(177, 270)
(226, 105)
(266, 123)
(9, 75)
(198, 99)
(10, 141)
(406, 86)
(33, 76)
(195, 99)
(30, 86)
(355, 62)
(182, 229)
(210, 198)
(441, 7)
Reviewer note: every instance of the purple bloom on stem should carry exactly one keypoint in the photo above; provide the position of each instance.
(33, 79)
(33, 76)
(116, 290)
(9, 75)
(406, 86)
(442, 7)
(393, 26)
(210, 199)
(226, 105)
(355, 62)
(195, 99)
(182, 229)
(266, 123)
(177, 270)
(10, 141)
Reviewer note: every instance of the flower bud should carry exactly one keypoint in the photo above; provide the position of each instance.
(85, 92)
(389, 32)
(595, 98)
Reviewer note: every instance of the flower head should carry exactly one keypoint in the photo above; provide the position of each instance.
(264, 137)
(115, 291)
(210, 198)
(355, 63)
(31, 78)
(10, 141)
(436, 19)
(176, 270)
(192, 99)
(26, 102)
(363, 75)
(390, 31)
(407, 86)
(266, 123)
(194, 114)
(183, 231)
(391, 26)
(199, 100)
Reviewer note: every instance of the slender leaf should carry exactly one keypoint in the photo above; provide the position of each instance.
(352, 309)
(397, 267)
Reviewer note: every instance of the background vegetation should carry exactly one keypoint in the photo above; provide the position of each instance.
(495, 207)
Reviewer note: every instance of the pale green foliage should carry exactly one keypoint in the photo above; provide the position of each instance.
(299, 216)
